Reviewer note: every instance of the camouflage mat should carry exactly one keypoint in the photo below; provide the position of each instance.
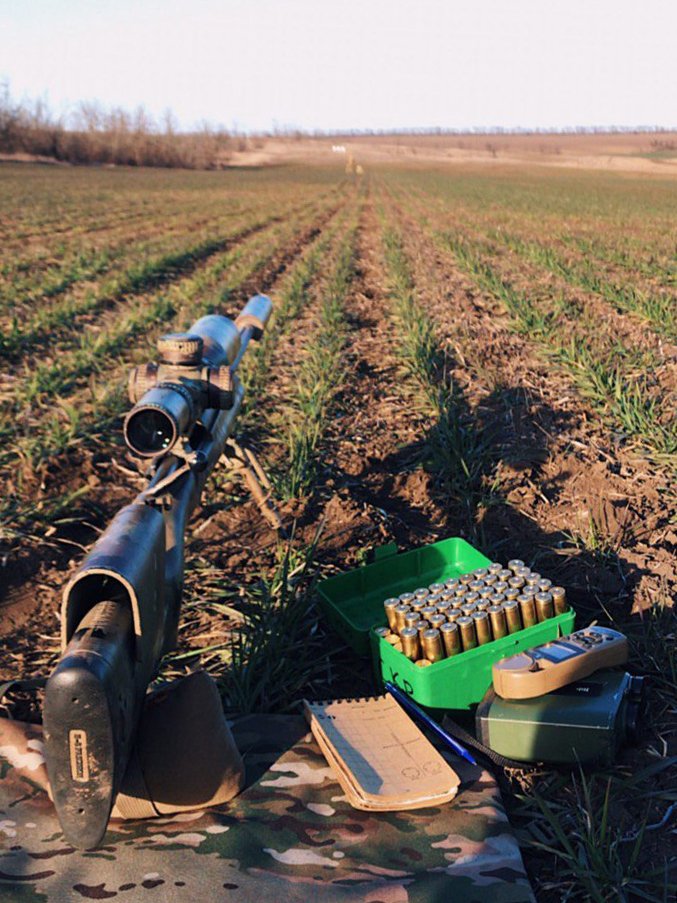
(289, 836)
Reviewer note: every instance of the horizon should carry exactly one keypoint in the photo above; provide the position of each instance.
(260, 66)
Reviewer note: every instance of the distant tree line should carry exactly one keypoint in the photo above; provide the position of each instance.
(93, 134)
(496, 130)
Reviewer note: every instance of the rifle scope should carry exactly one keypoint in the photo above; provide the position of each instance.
(196, 373)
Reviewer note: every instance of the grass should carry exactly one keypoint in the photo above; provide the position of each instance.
(593, 830)
(319, 378)
(454, 449)
(657, 307)
(276, 653)
(292, 300)
(604, 378)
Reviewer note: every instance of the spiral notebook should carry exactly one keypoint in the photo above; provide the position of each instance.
(379, 756)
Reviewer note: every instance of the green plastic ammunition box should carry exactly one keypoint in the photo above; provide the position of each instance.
(353, 604)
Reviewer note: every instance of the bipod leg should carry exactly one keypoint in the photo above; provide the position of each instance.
(243, 461)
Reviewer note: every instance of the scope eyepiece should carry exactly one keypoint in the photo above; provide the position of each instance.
(164, 414)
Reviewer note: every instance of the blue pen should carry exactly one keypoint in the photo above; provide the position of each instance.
(418, 713)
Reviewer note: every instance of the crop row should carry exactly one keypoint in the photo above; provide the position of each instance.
(36, 278)
(319, 375)
(582, 229)
(658, 307)
(611, 378)
(614, 370)
(453, 449)
(55, 321)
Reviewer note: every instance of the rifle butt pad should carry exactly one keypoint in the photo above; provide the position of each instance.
(89, 721)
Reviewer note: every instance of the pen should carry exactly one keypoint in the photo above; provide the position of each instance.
(418, 713)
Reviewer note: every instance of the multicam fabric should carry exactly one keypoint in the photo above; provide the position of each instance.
(289, 836)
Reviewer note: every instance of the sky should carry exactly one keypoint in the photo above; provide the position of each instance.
(340, 64)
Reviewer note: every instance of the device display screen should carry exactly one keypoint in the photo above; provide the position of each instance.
(558, 652)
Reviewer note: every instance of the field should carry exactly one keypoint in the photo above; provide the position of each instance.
(486, 352)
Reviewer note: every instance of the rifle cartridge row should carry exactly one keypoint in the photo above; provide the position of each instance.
(446, 619)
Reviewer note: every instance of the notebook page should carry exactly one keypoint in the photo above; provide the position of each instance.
(384, 750)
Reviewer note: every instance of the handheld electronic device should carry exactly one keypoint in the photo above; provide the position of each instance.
(560, 662)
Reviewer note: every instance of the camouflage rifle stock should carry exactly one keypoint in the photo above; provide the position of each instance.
(120, 609)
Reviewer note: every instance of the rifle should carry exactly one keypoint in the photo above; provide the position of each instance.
(120, 609)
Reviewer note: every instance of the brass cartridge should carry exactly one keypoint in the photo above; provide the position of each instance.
(452, 583)
(466, 579)
(501, 586)
(471, 597)
(497, 599)
(515, 564)
(418, 604)
(505, 575)
(435, 588)
(486, 591)
(495, 568)
(451, 638)
(427, 611)
(545, 607)
(410, 644)
(454, 614)
(437, 620)
(420, 627)
(400, 612)
(421, 593)
(482, 605)
(468, 608)
(458, 603)
(512, 615)
(407, 598)
(423, 663)
(390, 605)
(466, 628)
(527, 610)
(482, 627)
(523, 571)
(443, 608)
(490, 579)
(499, 624)
(397, 645)
(511, 593)
(544, 584)
(460, 591)
(476, 586)
(431, 645)
(480, 573)
(382, 631)
(533, 578)
(528, 591)
(411, 618)
(392, 638)
(447, 596)
(516, 582)
(559, 597)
